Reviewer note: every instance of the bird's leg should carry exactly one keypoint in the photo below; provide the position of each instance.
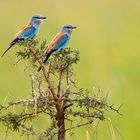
(32, 38)
(59, 50)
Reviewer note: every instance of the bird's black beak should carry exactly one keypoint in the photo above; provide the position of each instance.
(43, 17)
(73, 27)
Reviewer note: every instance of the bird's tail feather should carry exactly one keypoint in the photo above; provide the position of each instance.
(7, 50)
(11, 45)
(46, 58)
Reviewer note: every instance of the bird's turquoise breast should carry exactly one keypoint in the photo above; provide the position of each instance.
(30, 33)
(63, 43)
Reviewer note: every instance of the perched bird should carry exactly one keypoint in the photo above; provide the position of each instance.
(59, 42)
(28, 32)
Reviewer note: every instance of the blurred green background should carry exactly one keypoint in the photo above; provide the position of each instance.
(108, 38)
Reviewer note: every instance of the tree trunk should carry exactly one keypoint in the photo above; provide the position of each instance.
(60, 117)
(61, 127)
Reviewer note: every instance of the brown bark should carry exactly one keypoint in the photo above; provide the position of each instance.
(46, 75)
(60, 117)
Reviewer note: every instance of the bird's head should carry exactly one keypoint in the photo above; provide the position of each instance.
(68, 28)
(36, 19)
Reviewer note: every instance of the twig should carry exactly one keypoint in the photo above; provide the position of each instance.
(18, 61)
(67, 93)
(116, 110)
(46, 75)
(30, 115)
(59, 85)
(15, 103)
(79, 125)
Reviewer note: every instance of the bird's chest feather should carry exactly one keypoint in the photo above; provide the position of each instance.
(62, 43)
(29, 33)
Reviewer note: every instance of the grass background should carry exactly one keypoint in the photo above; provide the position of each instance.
(108, 38)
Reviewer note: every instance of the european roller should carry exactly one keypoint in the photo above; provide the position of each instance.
(59, 42)
(28, 32)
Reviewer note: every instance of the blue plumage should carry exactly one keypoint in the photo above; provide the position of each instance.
(59, 42)
(62, 43)
(28, 32)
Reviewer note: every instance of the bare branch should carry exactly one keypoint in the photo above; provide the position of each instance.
(80, 125)
(46, 75)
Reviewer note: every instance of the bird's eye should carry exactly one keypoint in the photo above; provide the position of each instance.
(36, 17)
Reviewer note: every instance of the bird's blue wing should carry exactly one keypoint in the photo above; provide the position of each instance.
(28, 33)
(58, 42)
(62, 43)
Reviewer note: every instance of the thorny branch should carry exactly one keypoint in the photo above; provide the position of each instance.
(46, 75)
(80, 125)
(62, 100)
